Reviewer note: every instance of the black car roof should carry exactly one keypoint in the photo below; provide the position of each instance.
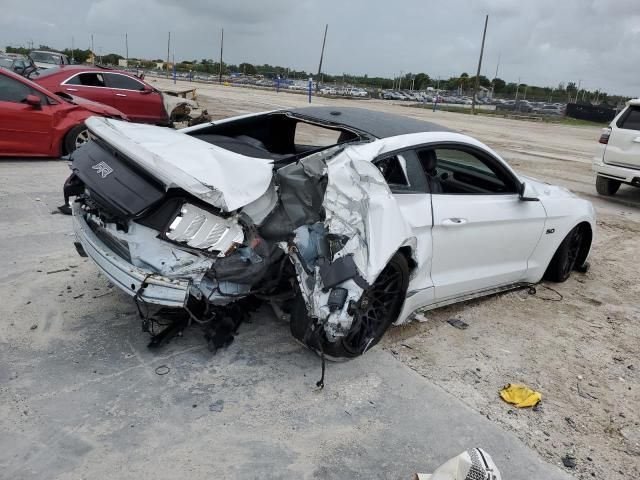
(377, 124)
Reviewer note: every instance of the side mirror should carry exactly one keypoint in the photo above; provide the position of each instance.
(527, 193)
(34, 101)
(146, 90)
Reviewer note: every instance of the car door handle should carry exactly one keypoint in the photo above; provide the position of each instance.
(636, 140)
(71, 89)
(452, 222)
(120, 95)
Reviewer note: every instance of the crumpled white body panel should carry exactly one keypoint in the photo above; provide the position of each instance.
(224, 179)
(359, 205)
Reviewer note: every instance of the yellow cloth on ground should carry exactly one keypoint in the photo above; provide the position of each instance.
(520, 395)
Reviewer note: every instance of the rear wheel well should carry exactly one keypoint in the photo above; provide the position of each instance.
(406, 252)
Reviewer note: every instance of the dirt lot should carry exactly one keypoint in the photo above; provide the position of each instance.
(578, 346)
(79, 394)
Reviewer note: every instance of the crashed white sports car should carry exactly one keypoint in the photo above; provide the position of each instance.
(348, 219)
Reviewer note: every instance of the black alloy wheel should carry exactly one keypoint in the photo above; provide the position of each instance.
(378, 308)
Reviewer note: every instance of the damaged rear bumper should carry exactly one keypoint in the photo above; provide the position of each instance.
(158, 289)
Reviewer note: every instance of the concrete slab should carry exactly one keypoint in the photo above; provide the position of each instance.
(80, 396)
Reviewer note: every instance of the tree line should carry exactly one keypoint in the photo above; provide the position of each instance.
(463, 84)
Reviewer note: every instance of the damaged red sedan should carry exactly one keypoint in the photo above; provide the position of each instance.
(131, 95)
(37, 123)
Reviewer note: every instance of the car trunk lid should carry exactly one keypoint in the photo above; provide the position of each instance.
(224, 179)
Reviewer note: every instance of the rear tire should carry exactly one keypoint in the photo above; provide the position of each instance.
(606, 186)
(565, 259)
(378, 308)
(76, 137)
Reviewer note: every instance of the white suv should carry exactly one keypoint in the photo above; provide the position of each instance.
(617, 160)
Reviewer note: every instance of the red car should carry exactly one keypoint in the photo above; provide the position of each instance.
(126, 92)
(37, 123)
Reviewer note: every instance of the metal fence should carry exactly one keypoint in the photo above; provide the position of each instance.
(593, 113)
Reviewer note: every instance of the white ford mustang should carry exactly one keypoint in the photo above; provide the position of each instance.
(350, 219)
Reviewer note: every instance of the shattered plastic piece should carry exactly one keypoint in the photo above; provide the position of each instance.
(569, 461)
(337, 298)
(456, 322)
(473, 464)
(420, 318)
(520, 395)
(338, 271)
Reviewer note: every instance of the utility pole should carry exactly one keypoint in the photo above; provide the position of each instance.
(221, 47)
(517, 90)
(493, 84)
(578, 90)
(168, 50)
(400, 80)
(126, 47)
(72, 48)
(475, 88)
(324, 40)
(93, 52)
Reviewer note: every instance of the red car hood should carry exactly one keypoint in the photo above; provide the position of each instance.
(95, 107)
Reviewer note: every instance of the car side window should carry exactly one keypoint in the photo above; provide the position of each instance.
(88, 79)
(458, 170)
(14, 91)
(123, 82)
(631, 121)
(402, 172)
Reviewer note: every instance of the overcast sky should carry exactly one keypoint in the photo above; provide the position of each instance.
(542, 42)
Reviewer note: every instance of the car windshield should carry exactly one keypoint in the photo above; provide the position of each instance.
(6, 62)
(46, 57)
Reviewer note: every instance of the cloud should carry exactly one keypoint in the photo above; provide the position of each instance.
(542, 42)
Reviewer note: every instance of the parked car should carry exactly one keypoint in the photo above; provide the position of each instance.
(249, 206)
(18, 64)
(131, 95)
(45, 59)
(36, 122)
(550, 110)
(617, 159)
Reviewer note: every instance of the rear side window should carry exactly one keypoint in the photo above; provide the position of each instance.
(123, 82)
(89, 79)
(315, 135)
(630, 121)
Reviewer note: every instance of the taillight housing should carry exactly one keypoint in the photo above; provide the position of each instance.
(604, 137)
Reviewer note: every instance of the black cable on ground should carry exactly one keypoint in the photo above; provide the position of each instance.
(533, 291)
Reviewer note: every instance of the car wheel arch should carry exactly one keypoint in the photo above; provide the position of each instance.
(408, 252)
(63, 141)
(585, 248)
(550, 272)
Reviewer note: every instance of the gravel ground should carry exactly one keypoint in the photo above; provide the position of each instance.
(581, 352)
(578, 345)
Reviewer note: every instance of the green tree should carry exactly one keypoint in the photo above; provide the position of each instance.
(421, 81)
(110, 59)
(498, 85)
